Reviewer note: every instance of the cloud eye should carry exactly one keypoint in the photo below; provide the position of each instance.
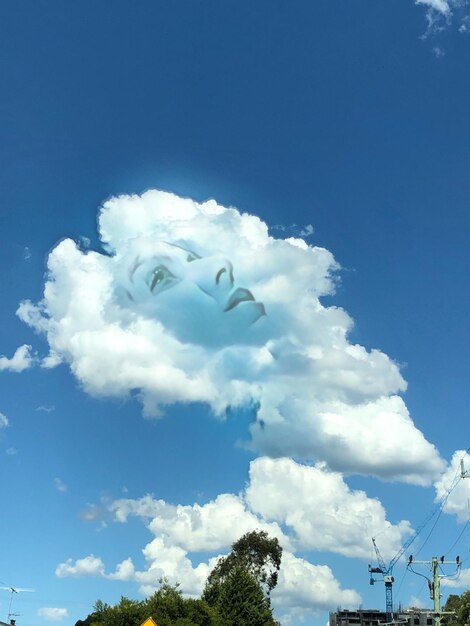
(192, 256)
(160, 278)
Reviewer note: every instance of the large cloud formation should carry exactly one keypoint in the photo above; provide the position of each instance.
(195, 302)
(306, 508)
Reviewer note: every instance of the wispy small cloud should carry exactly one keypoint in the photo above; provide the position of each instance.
(295, 230)
(21, 360)
(53, 614)
(47, 408)
(441, 14)
(307, 231)
(84, 242)
(441, 6)
(93, 513)
(51, 360)
(465, 25)
(88, 566)
(26, 253)
(3, 421)
(60, 485)
(11, 451)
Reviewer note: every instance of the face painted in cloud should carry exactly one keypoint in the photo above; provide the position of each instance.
(175, 310)
(196, 297)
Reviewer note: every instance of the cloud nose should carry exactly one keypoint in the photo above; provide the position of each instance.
(214, 275)
(224, 274)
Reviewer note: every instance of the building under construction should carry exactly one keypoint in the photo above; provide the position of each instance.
(373, 617)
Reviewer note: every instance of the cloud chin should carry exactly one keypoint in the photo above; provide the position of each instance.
(198, 303)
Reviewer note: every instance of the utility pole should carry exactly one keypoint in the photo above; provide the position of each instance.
(435, 584)
(463, 473)
(436, 591)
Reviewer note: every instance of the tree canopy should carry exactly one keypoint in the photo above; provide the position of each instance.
(237, 593)
(242, 602)
(257, 553)
(166, 606)
(461, 607)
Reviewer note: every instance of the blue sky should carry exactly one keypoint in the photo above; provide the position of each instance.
(350, 117)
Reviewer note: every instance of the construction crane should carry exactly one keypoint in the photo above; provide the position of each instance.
(388, 579)
(386, 572)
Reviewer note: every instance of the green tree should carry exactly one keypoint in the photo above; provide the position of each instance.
(126, 613)
(199, 612)
(463, 614)
(452, 604)
(461, 607)
(242, 601)
(257, 553)
(166, 606)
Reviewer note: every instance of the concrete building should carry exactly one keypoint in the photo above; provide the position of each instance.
(373, 617)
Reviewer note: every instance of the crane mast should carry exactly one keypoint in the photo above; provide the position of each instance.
(388, 579)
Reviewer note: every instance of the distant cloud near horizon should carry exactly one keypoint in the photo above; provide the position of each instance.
(53, 614)
(198, 303)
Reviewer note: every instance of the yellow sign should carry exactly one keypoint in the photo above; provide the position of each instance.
(149, 622)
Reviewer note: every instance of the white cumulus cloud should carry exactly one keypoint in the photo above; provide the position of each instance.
(53, 614)
(319, 508)
(460, 581)
(307, 508)
(87, 566)
(306, 588)
(124, 571)
(20, 361)
(3, 421)
(198, 303)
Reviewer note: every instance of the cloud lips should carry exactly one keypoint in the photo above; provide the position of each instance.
(197, 303)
